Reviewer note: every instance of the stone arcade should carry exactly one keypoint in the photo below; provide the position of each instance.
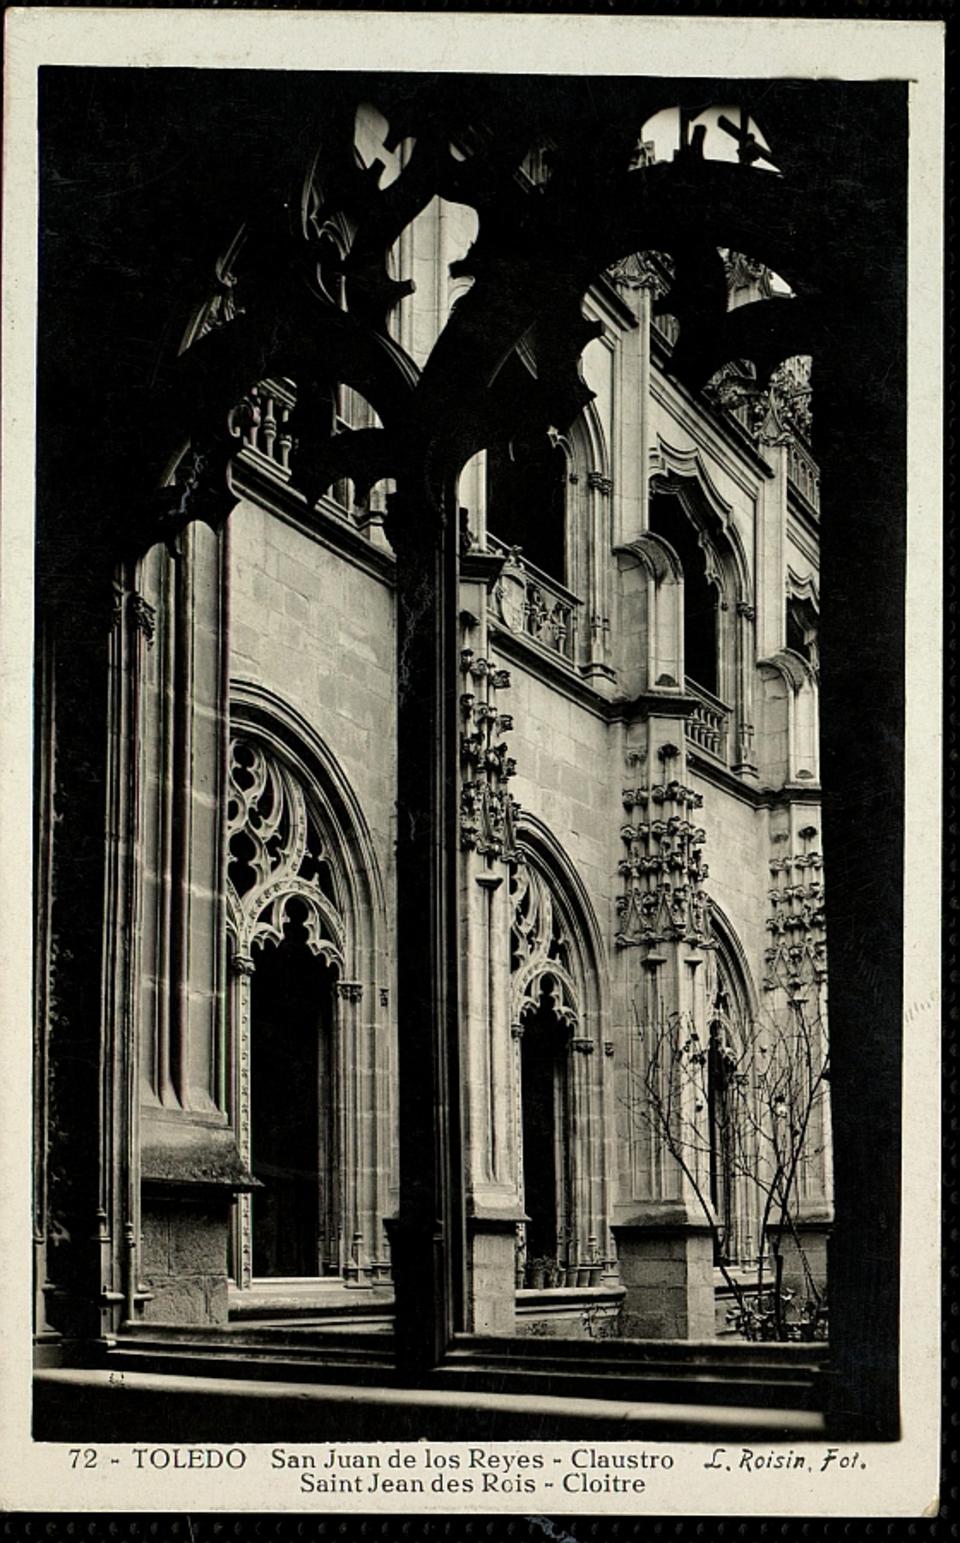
(429, 662)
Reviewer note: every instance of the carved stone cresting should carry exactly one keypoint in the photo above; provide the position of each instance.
(663, 869)
(747, 273)
(796, 957)
(487, 810)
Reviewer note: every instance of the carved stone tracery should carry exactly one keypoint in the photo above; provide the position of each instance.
(277, 855)
(542, 953)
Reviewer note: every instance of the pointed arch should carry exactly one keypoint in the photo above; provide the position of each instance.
(282, 730)
(685, 474)
(558, 1011)
(306, 936)
(571, 911)
(733, 1015)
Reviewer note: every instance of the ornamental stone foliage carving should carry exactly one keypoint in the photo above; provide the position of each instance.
(746, 273)
(663, 869)
(277, 857)
(487, 811)
(643, 270)
(796, 957)
(542, 949)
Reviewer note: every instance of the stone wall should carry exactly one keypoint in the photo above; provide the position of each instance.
(318, 631)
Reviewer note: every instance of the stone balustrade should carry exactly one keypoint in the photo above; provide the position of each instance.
(706, 727)
(268, 431)
(528, 600)
(803, 472)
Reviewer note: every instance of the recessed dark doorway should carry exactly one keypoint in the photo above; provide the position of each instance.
(291, 1112)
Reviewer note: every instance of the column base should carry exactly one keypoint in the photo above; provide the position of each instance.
(667, 1274)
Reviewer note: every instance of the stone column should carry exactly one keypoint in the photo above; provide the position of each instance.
(93, 642)
(662, 1220)
(191, 1166)
(488, 850)
(795, 1006)
(596, 666)
(744, 750)
(428, 1288)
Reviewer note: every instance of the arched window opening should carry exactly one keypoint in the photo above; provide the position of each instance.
(293, 1147)
(546, 1189)
(560, 1083)
(288, 941)
(526, 490)
(700, 619)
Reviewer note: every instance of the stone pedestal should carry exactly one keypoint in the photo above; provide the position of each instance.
(190, 1176)
(813, 1236)
(492, 1266)
(667, 1272)
(184, 1259)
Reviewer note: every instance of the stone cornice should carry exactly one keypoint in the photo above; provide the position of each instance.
(764, 797)
(557, 672)
(652, 704)
(603, 293)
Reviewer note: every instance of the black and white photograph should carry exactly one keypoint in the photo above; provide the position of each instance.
(470, 743)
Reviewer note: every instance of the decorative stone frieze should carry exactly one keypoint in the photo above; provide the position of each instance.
(663, 869)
